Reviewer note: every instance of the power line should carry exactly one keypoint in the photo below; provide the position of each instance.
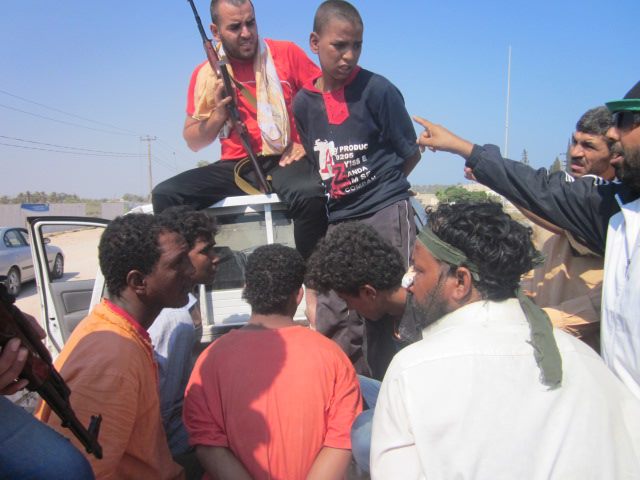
(167, 150)
(166, 146)
(66, 123)
(164, 162)
(71, 148)
(67, 113)
(125, 155)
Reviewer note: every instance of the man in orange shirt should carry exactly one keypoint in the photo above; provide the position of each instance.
(273, 399)
(108, 360)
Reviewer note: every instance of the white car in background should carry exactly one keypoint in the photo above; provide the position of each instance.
(16, 261)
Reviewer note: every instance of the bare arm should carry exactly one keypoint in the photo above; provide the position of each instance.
(410, 163)
(201, 133)
(292, 153)
(221, 464)
(330, 464)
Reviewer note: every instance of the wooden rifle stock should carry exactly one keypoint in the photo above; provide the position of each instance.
(220, 67)
(42, 375)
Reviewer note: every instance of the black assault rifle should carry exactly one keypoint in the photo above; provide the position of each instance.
(220, 67)
(42, 375)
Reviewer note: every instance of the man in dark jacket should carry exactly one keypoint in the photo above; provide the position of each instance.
(600, 214)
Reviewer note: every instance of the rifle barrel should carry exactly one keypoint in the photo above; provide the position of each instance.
(220, 67)
(59, 404)
(203, 34)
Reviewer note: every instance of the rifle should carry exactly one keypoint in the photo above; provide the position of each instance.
(220, 67)
(42, 375)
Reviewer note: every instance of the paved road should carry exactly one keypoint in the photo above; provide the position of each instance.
(80, 248)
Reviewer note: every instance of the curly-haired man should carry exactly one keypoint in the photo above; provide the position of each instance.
(273, 399)
(367, 273)
(492, 390)
(175, 331)
(108, 360)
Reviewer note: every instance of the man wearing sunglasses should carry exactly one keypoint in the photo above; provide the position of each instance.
(600, 214)
(620, 334)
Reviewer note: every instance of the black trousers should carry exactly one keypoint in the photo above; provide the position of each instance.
(297, 184)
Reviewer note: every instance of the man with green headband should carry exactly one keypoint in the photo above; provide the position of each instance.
(597, 213)
(492, 391)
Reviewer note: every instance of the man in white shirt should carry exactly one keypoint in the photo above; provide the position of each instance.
(620, 335)
(492, 390)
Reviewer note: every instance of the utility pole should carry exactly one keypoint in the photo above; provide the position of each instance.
(149, 139)
(506, 123)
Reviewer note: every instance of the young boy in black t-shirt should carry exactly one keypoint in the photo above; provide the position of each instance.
(353, 123)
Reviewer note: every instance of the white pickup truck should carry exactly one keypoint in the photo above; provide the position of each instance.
(244, 223)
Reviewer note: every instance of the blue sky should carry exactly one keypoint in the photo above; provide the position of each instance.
(124, 67)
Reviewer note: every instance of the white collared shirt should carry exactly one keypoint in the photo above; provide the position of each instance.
(620, 331)
(466, 402)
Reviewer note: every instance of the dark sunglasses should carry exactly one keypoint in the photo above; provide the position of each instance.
(625, 120)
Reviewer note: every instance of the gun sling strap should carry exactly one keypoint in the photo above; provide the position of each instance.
(241, 167)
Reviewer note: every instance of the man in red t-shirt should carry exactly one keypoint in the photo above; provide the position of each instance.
(273, 399)
(265, 109)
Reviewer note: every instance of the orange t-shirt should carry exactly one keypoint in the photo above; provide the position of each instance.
(275, 398)
(294, 69)
(109, 367)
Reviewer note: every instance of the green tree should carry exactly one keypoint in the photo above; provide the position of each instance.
(556, 166)
(567, 156)
(456, 193)
(130, 197)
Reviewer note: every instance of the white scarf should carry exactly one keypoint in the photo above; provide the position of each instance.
(273, 118)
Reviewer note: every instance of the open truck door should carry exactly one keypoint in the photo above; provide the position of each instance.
(65, 301)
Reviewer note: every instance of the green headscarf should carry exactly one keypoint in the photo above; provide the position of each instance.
(544, 344)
